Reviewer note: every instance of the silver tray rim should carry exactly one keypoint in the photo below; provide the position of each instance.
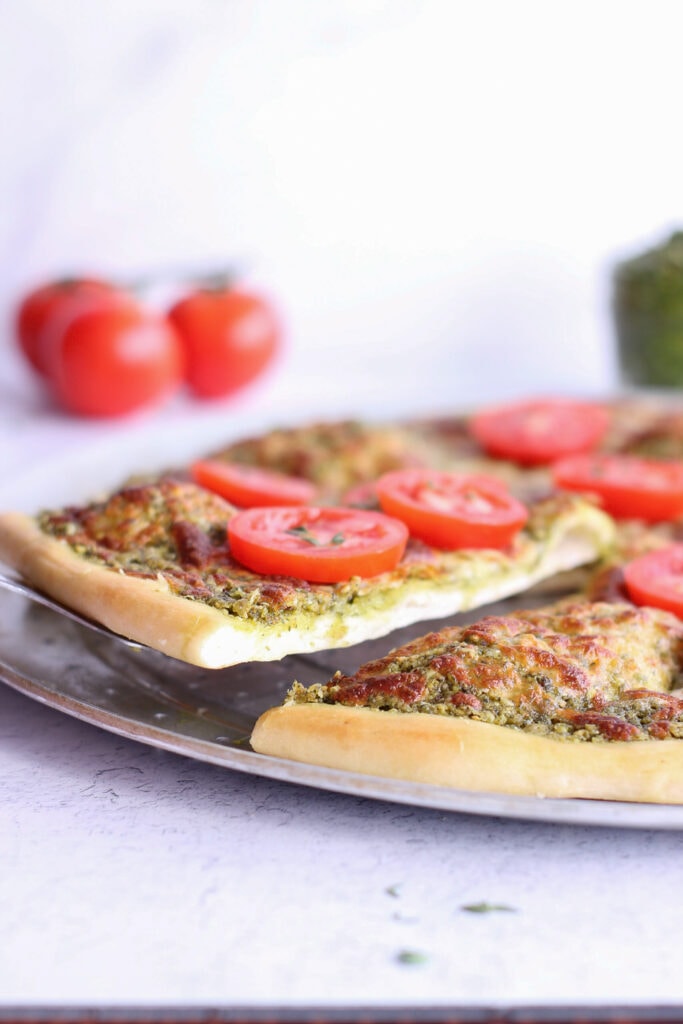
(241, 759)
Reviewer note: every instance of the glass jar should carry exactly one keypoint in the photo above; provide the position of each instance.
(647, 306)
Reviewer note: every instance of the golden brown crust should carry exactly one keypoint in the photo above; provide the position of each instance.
(149, 612)
(140, 609)
(470, 755)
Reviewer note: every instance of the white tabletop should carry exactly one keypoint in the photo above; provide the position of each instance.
(132, 876)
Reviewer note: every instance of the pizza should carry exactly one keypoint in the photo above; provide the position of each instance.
(152, 562)
(162, 560)
(325, 535)
(340, 455)
(580, 699)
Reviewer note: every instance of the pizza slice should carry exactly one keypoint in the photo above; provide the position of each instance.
(153, 563)
(515, 442)
(342, 458)
(336, 455)
(575, 700)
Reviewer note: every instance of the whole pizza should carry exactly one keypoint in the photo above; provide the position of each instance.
(320, 536)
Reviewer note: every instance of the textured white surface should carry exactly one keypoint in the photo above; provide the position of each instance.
(435, 192)
(135, 876)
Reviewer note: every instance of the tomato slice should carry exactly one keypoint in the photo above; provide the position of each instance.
(452, 510)
(321, 545)
(249, 486)
(656, 579)
(627, 487)
(536, 432)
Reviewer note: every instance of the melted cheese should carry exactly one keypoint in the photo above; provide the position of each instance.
(579, 670)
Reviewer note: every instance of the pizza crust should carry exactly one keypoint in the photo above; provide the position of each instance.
(146, 610)
(464, 754)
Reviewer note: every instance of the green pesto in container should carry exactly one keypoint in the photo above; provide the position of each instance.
(648, 316)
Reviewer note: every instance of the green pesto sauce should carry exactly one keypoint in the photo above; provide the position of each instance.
(648, 315)
(231, 588)
(497, 710)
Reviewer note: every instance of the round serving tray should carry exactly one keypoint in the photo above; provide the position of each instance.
(208, 715)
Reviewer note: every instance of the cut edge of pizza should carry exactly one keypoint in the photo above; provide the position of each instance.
(569, 702)
(247, 617)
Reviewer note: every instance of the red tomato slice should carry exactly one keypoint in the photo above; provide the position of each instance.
(322, 545)
(539, 431)
(626, 486)
(452, 510)
(656, 579)
(249, 486)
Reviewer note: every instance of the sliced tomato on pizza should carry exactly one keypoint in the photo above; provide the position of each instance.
(173, 565)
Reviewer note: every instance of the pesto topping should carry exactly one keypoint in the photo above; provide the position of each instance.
(582, 672)
(333, 455)
(176, 531)
(652, 282)
(648, 312)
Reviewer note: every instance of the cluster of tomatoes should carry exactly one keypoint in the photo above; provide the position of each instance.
(103, 352)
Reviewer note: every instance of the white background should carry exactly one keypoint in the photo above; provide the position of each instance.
(434, 191)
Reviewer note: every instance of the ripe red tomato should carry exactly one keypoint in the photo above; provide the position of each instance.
(230, 337)
(452, 510)
(250, 486)
(539, 431)
(40, 306)
(321, 545)
(656, 579)
(628, 487)
(108, 358)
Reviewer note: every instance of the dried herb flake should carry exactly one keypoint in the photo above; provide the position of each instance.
(487, 908)
(412, 957)
(303, 533)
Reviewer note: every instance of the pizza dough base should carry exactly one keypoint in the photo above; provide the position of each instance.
(147, 611)
(465, 754)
